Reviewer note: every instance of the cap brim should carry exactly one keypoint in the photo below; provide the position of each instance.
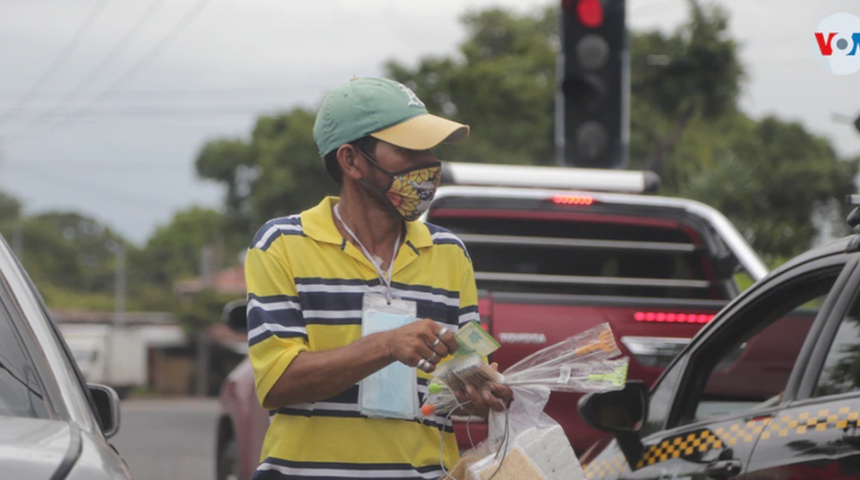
(423, 132)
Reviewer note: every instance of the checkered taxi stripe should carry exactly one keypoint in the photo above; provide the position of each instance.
(694, 444)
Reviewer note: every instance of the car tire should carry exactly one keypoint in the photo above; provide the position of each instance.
(228, 460)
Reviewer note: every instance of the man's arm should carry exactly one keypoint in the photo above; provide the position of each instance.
(314, 376)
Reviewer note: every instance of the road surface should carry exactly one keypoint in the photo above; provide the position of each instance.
(167, 439)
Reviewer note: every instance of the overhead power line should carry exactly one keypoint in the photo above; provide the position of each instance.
(74, 183)
(58, 61)
(148, 58)
(191, 111)
(194, 92)
(118, 49)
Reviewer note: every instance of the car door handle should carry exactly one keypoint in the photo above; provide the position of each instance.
(723, 468)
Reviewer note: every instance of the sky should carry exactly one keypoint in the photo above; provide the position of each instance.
(104, 104)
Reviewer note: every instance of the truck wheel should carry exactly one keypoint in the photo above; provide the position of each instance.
(228, 460)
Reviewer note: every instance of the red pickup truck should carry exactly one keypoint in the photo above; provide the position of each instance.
(555, 252)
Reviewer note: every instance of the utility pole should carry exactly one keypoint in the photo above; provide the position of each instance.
(116, 367)
(18, 240)
(119, 284)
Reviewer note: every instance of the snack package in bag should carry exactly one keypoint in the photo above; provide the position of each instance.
(526, 443)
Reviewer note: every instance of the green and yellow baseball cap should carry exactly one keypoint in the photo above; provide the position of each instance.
(383, 109)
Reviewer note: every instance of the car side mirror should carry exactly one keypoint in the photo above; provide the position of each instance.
(620, 412)
(236, 315)
(107, 407)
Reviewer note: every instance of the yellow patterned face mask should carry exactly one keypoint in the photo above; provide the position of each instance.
(411, 190)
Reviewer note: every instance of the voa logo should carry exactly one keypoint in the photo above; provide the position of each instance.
(837, 39)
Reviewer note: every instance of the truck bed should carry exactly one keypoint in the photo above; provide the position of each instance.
(550, 264)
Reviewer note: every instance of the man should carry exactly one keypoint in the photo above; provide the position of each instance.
(355, 291)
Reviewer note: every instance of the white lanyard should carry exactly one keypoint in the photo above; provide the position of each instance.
(382, 276)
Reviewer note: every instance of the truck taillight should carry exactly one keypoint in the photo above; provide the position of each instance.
(583, 200)
(485, 311)
(672, 317)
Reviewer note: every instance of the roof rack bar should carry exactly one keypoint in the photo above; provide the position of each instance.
(593, 179)
(484, 239)
(587, 280)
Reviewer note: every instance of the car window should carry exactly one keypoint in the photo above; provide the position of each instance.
(747, 365)
(21, 391)
(841, 371)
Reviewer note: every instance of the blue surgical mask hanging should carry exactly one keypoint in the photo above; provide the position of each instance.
(391, 392)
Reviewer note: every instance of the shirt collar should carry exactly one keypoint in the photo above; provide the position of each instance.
(318, 223)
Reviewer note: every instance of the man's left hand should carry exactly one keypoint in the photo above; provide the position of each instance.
(495, 396)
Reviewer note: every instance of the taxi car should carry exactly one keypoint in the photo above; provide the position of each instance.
(52, 424)
(769, 389)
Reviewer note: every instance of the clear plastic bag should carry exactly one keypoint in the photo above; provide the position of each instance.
(581, 363)
(593, 376)
(524, 442)
(596, 343)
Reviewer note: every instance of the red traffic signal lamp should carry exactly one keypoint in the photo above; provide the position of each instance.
(594, 84)
(588, 12)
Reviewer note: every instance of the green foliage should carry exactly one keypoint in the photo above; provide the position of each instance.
(206, 309)
(231, 163)
(279, 172)
(694, 72)
(780, 184)
(177, 250)
(695, 68)
(69, 250)
(10, 209)
(66, 298)
(502, 84)
(291, 174)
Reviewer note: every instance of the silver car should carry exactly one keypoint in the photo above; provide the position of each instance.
(52, 424)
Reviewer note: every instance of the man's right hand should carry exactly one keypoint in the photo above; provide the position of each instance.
(421, 344)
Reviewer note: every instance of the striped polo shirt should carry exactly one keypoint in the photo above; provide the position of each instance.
(305, 289)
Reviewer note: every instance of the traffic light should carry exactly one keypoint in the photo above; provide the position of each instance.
(594, 84)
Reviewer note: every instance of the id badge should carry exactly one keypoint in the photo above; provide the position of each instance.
(391, 392)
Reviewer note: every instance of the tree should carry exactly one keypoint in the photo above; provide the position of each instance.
(230, 162)
(291, 174)
(10, 209)
(71, 258)
(176, 250)
(685, 125)
(695, 71)
(781, 185)
(278, 172)
(502, 83)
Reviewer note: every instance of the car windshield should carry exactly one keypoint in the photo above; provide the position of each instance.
(21, 391)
